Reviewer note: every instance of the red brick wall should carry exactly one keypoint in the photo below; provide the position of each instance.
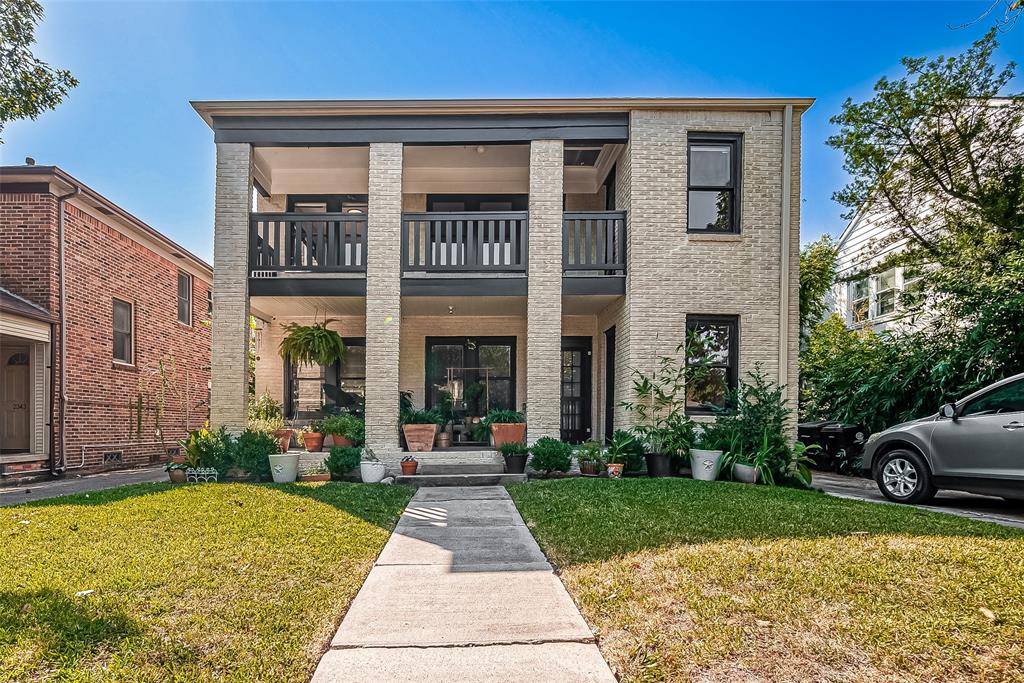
(102, 264)
(28, 247)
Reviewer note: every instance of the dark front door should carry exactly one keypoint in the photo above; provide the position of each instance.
(609, 383)
(575, 389)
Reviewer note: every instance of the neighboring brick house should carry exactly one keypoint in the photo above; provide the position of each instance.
(136, 323)
(526, 254)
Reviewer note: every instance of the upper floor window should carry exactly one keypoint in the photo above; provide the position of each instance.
(124, 351)
(712, 344)
(184, 298)
(860, 300)
(713, 191)
(885, 292)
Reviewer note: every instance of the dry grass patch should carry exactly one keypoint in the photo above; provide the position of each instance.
(689, 581)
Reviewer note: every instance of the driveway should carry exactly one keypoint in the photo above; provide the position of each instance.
(983, 508)
(73, 483)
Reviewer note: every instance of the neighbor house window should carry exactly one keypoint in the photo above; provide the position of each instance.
(860, 300)
(712, 349)
(713, 192)
(184, 298)
(209, 302)
(885, 293)
(123, 324)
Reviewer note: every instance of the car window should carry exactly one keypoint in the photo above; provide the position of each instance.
(1005, 399)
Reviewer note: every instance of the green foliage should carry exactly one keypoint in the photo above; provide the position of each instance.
(28, 86)
(550, 454)
(513, 448)
(204, 448)
(626, 449)
(341, 461)
(420, 417)
(503, 416)
(250, 452)
(312, 344)
(817, 275)
(349, 426)
(265, 414)
(315, 426)
(590, 451)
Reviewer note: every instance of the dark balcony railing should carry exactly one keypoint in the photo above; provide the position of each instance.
(488, 242)
(594, 241)
(315, 242)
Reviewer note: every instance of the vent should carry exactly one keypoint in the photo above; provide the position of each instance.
(113, 457)
(261, 274)
(174, 450)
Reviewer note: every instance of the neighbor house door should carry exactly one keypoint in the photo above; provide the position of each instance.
(576, 389)
(15, 398)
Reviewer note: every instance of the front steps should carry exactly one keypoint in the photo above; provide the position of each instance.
(442, 467)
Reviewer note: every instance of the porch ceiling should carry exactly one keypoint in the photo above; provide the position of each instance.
(587, 305)
(302, 306)
(464, 305)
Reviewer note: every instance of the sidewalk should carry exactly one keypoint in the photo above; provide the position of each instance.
(462, 592)
(72, 483)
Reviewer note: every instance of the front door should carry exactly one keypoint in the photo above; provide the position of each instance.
(14, 399)
(609, 383)
(575, 389)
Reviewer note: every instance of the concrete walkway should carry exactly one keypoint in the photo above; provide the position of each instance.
(462, 592)
(72, 483)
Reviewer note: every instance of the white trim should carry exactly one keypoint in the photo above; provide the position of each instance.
(26, 328)
(131, 332)
(787, 180)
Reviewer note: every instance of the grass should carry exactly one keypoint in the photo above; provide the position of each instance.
(685, 580)
(226, 582)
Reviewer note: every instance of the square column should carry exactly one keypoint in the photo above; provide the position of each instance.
(383, 295)
(229, 352)
(544, 301)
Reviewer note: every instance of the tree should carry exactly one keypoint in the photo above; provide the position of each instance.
(817, 275)
(28, 86)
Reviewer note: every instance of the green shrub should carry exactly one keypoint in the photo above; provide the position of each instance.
(625, 448)
(348, 426)
(420, 417)
(550, 455)
(203, 448)
(341, 461)
(590, 451)
(251, 450)
(513, 448)
(265, 415)
(503, 416)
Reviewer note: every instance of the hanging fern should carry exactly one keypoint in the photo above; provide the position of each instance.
(309, 344)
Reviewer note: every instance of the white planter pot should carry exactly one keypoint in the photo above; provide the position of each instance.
(372, 472)
(745, 473)
(705, 464)
(284, 467)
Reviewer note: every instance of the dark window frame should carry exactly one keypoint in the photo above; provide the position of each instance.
(732, 362)
(735, 141)
(290, 379)
(130, 331)
(191, 289)
(509, 341)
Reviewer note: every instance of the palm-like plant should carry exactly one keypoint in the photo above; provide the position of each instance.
(312, 344)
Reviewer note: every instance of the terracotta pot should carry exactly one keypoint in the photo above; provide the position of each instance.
(177, 476)
(318, 476)
(590, 469)
(508, 433)
(178, 459)
(341, 441)
(409, 467)
(313, 441)
(419, 438)
(284, 439)
(614, 470)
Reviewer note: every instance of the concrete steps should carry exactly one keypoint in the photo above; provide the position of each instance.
(456, 479)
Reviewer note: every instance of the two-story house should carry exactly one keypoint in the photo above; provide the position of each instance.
(104, 330)
(525, 254)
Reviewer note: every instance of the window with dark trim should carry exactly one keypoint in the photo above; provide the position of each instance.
(123, 326)
(712, 343)
(713, 182)
(312, 390)
(184, 298)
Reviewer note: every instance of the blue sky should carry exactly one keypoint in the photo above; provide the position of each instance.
(129, 132)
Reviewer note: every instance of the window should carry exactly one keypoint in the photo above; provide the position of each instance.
(184, 298)
(711, 344)
(209, 302)
(885, 293)
(1006, 399)
(315, 389)
(123, 324)
(478, 372)
(860, 300)
(713, 197)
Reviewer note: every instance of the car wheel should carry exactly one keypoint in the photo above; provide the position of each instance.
(903, 477)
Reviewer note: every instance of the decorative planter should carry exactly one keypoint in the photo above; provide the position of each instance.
(658, 464)
(444, 439)
(409, 467)
(515, 464)
(590, 469)
(317, 476)
(177, 476)
(704, 464)
(284, 439)
(614, 470)
(508, 433)
(419, 438)
(341, 441)
(314, 441)
(284, 467)
(372, 471)
(748, 474)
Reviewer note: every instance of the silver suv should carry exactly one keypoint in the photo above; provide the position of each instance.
(975, 444)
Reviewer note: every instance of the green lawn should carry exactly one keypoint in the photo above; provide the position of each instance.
(685, 580)
(193, 583)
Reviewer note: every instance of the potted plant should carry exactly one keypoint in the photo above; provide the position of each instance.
(514, 454)
(342, 460)
(345, 430)
(313, 437)
(252, 452)
(656, 457)
(409, 465)
(315, 473)
(420, 428)
(446, 414)
(551, 455)
(371, 469)
(706, 456)
(265, 415)
(176, 471)
(590, 457)
(506, 426)
(621, 447)
(312, 344)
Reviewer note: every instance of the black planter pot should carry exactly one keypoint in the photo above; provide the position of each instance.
(658, 464)
(515, 464)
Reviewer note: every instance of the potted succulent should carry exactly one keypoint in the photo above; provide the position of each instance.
(313, 437)
(591, 458)
(176, 471)
(506, 426)
(420, 428)
(515, 454)
(705, 456)
(315, 473)
(409, 465)
(371, 469)
(345, 430)
(620, 448)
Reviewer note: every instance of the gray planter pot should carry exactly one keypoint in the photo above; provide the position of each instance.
(705, 464)
(284, 467)
(748, 474)
(372, 472)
